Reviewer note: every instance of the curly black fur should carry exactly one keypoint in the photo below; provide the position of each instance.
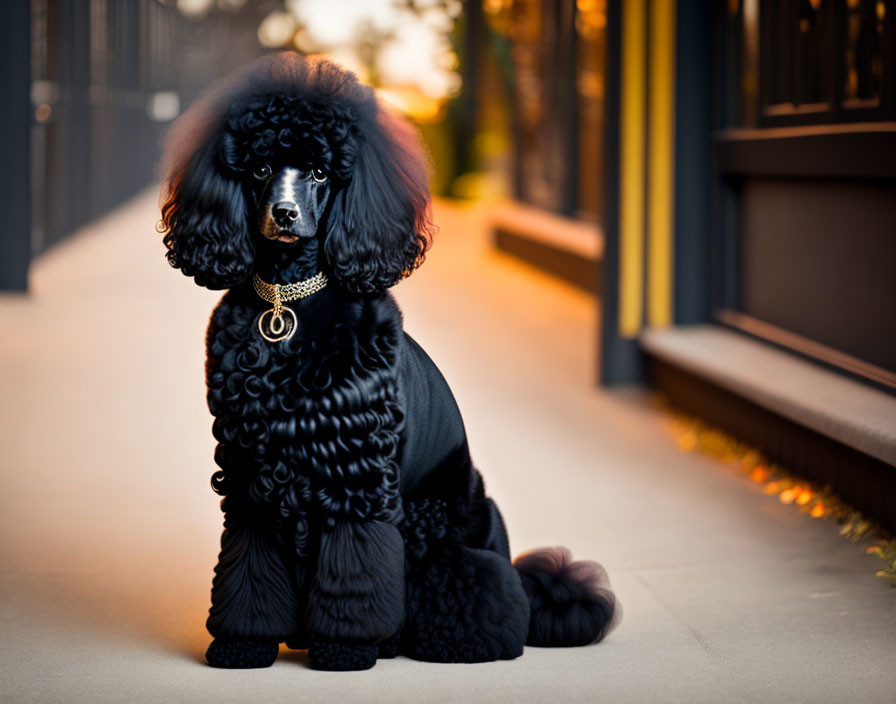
(354, 521)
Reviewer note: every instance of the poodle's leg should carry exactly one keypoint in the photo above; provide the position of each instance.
(465, 605)
(254, 604)
(465, 601)
(356, 600)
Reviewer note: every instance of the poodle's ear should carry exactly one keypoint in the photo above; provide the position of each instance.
(205, 217)
(379, 225)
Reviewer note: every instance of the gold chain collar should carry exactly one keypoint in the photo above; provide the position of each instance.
(273, 325)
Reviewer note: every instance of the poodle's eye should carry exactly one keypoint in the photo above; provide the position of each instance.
(318, 175)
(261, 172)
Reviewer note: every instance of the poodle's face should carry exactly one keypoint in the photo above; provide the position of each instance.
(289, 150)
(290, 200)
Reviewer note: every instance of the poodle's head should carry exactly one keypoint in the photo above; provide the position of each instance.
(292, 153)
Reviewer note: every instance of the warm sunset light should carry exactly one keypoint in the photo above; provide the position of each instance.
(412, 102)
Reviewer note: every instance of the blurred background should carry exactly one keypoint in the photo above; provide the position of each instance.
(637, 199)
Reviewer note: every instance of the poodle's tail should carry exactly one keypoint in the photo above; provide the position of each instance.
(571, 602)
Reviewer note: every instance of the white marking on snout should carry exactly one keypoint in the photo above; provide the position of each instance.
(287, 189)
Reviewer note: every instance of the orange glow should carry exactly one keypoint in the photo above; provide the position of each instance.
(805, 496)
(493, 7)
(43, 112)
(774, 487)
(412, 102)
(687, 442)
(819, 502)
(759, 474)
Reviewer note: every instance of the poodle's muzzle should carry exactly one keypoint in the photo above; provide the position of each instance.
(291, 204)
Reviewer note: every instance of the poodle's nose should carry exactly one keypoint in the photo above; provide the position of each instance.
(285, 213)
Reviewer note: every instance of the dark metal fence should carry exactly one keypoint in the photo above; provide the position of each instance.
(100, 80)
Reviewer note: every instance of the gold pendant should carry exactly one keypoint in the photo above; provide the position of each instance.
(276, 327)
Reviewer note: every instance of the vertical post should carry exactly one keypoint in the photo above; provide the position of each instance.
(693, 188)
(71, 180)
(15, 131)
(633, 146)
(623, 265)
(661, 185)
(465, 113)
(567, 50)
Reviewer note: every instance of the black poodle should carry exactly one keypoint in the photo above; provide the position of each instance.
(355, 524)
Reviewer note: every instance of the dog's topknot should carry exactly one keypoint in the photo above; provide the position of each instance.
(280, 128)
(263, 93)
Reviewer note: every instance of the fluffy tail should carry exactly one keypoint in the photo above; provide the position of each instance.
(571, 602)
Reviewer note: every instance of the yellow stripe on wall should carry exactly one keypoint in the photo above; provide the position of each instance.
(631, 166)
(661, 131)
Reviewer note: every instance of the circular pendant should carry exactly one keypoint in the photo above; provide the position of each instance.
(275, 328)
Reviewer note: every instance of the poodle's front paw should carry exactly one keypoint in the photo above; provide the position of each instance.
(241, 654)
(340, 656)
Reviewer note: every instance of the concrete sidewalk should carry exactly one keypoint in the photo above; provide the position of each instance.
(109, 529)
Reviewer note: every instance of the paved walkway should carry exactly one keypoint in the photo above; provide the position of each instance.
(109, 530)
